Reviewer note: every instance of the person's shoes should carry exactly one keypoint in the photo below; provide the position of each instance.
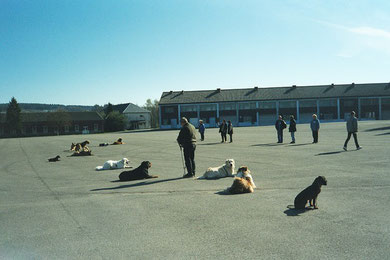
(358, 148)
(292, 142)
(345, 148)
(188, 175)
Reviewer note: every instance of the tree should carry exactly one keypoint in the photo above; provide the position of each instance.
(13, 118)
(59, 119)
(108, 108)
(114, 121)
(154, 112)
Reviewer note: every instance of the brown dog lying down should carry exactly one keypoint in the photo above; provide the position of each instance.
(141, 172)
(82, 152)
(55, 159)
(243, 182)
(78, 146)
(310, 194)
(119, 141)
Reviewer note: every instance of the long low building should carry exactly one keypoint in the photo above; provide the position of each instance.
(54, 123)
(261, 106)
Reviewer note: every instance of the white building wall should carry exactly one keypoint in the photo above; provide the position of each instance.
(134, 117)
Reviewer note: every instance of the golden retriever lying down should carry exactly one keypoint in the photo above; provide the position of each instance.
(119, 141)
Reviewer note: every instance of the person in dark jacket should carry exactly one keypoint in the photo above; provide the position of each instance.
(202, 129)
(139, 173)
(223, 130)
(292, 129)
(315, 128)
(230, 130)
(352, 128)
(187, 141)
(280, 125)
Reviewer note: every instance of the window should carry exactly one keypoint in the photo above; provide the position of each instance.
(45, 129)
(34, 129)
(66, 129)
(95, 127)
(76, 128)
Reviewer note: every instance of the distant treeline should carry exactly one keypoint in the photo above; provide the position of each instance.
(33, 107)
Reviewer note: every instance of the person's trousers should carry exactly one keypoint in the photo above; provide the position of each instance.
(224, 138)
(315, 136)
(349, 137)
(189, 157)
(202, 136)
(293, 136)
(280, 136)
(231, 137)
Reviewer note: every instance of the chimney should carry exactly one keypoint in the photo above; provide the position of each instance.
(294, 86)
(170, 92)
(219, 90)
(182, 92)
(353, 84)
(332, 85)
(256, 87)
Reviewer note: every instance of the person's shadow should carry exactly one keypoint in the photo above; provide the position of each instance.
(143, 183)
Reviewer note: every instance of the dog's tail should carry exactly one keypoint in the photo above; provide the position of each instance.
(99, 168)
(290, 206)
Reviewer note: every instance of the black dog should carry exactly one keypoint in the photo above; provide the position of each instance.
(141, 172)
(310, 194)
(55, 159)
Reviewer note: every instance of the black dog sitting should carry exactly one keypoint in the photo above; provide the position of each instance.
(55, 159)
(141, 172)
(310, 194)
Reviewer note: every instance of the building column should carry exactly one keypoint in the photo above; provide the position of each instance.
(178, 113)
(359, 110)
(338, 109)
(257, 113)
(237, 115)
(217, 111)
(318, 109)
(198, 108)
(277, 109)
(297, 111)
(380, 108)
(159, 116)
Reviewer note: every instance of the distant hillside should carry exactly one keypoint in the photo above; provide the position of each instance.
(31, 107)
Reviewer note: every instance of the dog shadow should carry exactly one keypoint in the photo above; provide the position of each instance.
(143, 183)
(224, 192)
(293, 212)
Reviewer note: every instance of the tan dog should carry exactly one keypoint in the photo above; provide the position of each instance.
(119, 141)
(78, 146)
(243, 182)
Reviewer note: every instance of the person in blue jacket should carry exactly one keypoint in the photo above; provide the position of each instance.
(315, 128)
(201, 128)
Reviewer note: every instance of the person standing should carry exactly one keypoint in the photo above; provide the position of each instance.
(352, 128)
(202, 128)
(187, 142)
(223, 130)
(280, 125)
(230, 130)
(292, 129)
(315, 128)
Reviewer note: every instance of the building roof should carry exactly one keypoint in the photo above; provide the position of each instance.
(276, 93)
(120, 107)
(43, 116)
(131, 108)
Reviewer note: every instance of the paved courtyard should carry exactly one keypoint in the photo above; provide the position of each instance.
(69, 210)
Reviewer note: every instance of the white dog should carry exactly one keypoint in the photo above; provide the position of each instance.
(226, 170)
(109, 165)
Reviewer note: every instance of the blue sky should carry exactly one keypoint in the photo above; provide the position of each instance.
(94, 52)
